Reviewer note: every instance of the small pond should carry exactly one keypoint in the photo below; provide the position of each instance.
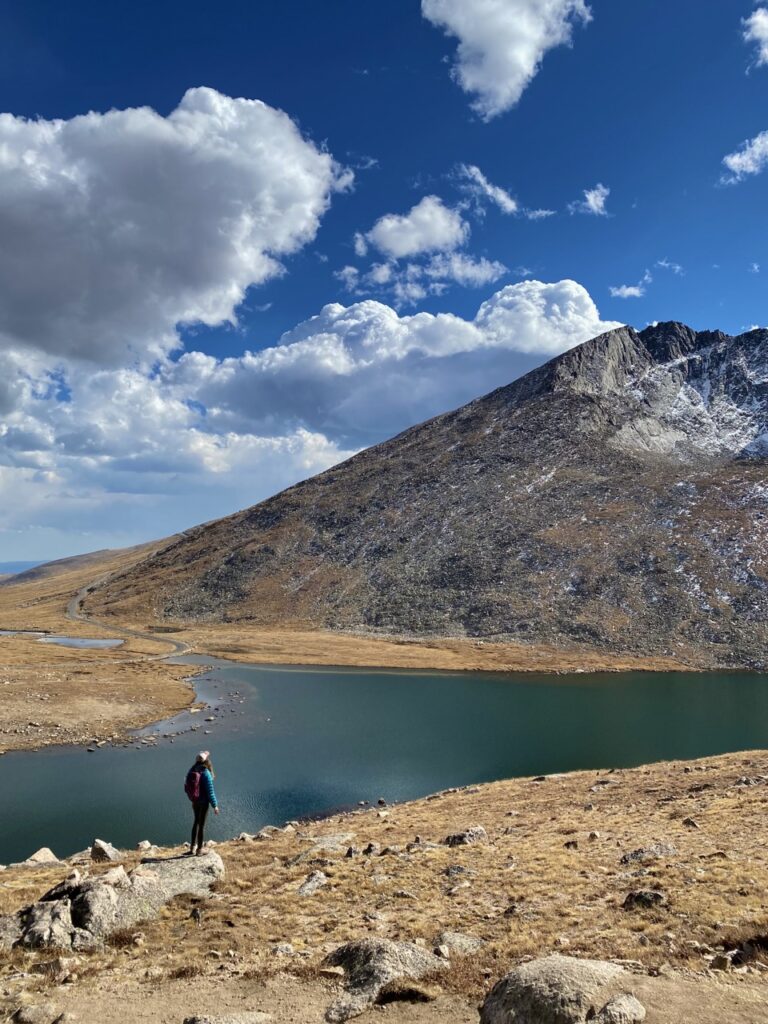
(80, 642)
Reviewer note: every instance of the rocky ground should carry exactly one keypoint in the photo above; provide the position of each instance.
(661, 870)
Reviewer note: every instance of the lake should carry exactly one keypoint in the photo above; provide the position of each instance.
(289, 742)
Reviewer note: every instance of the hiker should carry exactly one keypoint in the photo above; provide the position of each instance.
(199, 789)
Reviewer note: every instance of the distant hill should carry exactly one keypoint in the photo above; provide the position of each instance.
(614, 498)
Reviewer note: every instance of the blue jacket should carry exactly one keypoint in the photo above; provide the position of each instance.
(207, 792)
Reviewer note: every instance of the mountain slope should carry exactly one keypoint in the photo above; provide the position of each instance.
(615, 498)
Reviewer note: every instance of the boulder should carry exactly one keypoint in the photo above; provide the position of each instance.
(562, 990)
(370, 967)
(79, 913)
(469, 837)
(102, 852)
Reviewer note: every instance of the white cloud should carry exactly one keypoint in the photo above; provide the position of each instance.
(756, 31)
(670, 265)
(627, 291)
(464, 270)
(538, 214)
(429, 226)
(479, 186)
(752, 158)
(118, 226)
(502, 43)
(593, 202)
(151, 451)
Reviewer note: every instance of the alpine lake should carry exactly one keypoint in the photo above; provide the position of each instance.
(290, 743)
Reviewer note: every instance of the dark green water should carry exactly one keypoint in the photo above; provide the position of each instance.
(304, 741)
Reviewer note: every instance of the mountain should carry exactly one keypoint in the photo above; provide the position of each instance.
(615, 498)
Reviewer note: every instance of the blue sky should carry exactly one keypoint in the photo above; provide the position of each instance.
(146, 253)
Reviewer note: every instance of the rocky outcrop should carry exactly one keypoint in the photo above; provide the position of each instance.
(81, 912)
(612, 500)
(563, 990)
(370, 966)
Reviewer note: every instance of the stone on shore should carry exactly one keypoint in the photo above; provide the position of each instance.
(42, 856)
(103, 852)
(563, 990)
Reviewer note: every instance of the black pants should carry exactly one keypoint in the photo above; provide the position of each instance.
(201, 813)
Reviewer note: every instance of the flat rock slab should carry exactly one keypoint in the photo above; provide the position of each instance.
(79, 913)
(563, 990)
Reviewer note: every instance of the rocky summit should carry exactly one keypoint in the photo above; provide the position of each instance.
(614, 499)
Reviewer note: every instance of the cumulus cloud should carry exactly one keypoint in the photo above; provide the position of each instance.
(429, 226)
(361, 371)
(478, 185)
(420, 253)
(118, 226)
(593, 202)
(756, 31)
(90, 458)
(502, 43)
(751, 159)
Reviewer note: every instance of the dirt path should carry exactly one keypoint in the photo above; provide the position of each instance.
(74, 611)
(669, 1000)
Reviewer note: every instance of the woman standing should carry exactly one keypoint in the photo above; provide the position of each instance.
(199, 789)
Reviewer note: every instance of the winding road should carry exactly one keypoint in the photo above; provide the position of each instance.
(74, 611)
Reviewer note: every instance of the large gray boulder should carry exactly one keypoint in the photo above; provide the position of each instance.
(370, 966)
(563, 990)
(79, 913)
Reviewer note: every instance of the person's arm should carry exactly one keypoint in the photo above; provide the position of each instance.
(210, 792)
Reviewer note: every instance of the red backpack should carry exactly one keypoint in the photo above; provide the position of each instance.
(192, 784)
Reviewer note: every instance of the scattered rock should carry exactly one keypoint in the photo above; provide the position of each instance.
(316, 880)
(593, 837)
(561, 990)
(102, 852)
(252, 1017)
(720, 962)
(145, 845)
(282, 949)
(646, 853)
(623, 1009)
(470, 837)
(458, 942)
(691, 823)
(644, 898)
(370, 967)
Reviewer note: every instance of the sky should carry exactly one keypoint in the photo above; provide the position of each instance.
(241, 242)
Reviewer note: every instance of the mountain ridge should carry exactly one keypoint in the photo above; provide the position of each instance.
(614, 497)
